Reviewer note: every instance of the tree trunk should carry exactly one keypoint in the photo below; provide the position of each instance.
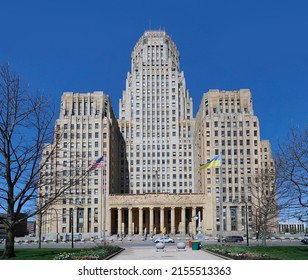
(264, 232)
(9, 249)
(264, 240)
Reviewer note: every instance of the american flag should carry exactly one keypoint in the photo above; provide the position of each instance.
(98, 163)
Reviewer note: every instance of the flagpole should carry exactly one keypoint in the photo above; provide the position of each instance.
(101, 162)
(220, 202)
(217, 162)
(104, 214)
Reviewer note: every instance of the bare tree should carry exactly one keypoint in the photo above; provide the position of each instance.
(292, 172)
(25, 127)
(264, 197)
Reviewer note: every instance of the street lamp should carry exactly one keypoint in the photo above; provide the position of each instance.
(57, 219)
(72, 223)
(246, 219)
(246, 222)
(72, 227)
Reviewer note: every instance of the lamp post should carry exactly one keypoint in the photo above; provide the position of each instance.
(246, 219)
(57, 219)
(72, 226)
(246, 222)
(72, 223)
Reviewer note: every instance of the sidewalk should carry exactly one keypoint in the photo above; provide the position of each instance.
(170, 253)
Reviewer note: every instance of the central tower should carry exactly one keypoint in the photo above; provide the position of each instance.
(156, 119)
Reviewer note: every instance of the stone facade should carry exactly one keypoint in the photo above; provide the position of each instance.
(156, 119)
(85, 130)
(226, 125)
(153, 153)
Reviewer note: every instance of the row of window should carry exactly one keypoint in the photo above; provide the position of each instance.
(72, 164)
(83, 135)
(232, 198)
(230, 180)
(162, 134)
(156, 176)
(161, 190)
(161, 71)
(221, 124)
(155, 77)
(79, 154)
(232, 111)
(152, 161)
(80, 201)
(81, 166)
(231, 189)
(162, 147)
(235, 133)
(147, 120)
(158, 154)
(153, 84)
(155, 97)
(82, 126)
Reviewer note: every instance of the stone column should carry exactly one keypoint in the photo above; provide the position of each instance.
(130, 221)
(183, 221)
(203, 221)
(108, 222)
(193, 212)
(162, 218)
(140, 221)
(156, 226)
(193, 221)
(172, 220)
(151, 220)
(119, 220)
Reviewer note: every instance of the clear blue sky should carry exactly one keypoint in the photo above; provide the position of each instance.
(82, 46)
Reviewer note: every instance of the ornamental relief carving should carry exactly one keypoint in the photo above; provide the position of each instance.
(145, 200)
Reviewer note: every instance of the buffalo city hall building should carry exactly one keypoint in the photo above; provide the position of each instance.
(152, 155)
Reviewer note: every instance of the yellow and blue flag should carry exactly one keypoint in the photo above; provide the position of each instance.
(214, 162)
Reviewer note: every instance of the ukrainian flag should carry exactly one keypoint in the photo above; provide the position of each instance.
(214, 162)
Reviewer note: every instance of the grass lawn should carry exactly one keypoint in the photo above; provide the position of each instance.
(63, 253)
(261, 252)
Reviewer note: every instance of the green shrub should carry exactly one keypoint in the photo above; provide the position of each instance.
(98, 253)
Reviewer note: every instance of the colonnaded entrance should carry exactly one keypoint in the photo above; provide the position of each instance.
(151, 220)
(150, 213)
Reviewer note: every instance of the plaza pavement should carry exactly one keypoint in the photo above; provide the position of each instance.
(169, 253)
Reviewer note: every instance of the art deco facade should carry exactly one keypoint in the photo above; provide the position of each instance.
(153, 152)
(156, 119)
(85, 130)
(226, 125)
